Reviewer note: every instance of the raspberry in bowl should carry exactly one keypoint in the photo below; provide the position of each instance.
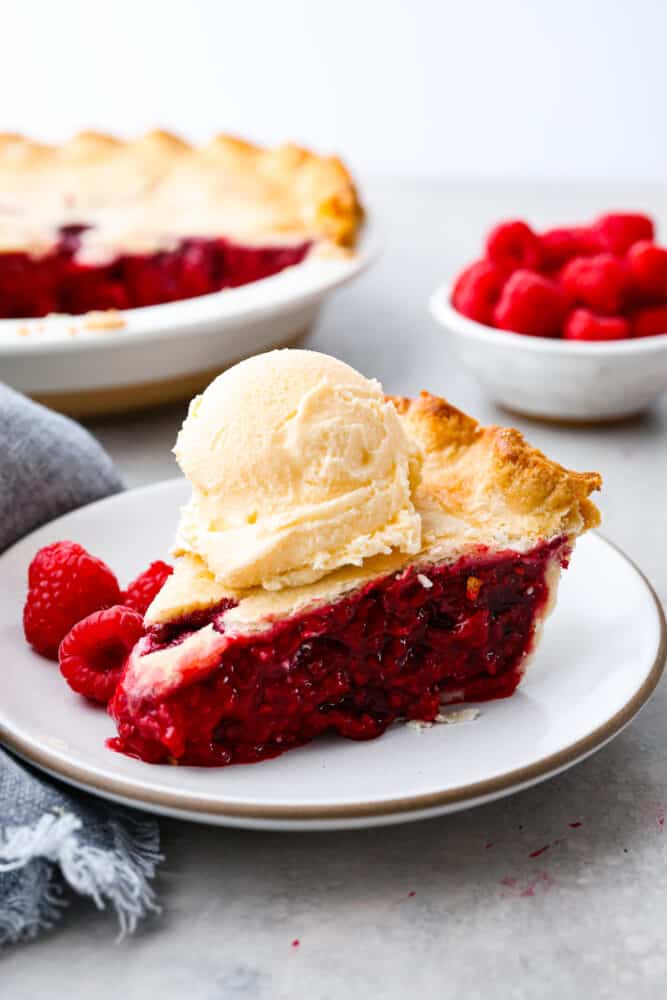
(566, 324)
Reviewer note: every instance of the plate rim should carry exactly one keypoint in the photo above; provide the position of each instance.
(202, 809)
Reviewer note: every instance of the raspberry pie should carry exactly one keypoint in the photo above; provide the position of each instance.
(99, 223)
(346, 560)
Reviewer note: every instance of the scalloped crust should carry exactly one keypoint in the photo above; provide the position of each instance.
(144, 195)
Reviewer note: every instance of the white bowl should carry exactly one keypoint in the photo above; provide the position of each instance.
(166, 352)
(557, 379)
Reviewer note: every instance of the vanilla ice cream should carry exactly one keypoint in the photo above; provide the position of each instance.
(298, 465)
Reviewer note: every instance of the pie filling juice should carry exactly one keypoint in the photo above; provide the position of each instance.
(394, 649)
(58, 282)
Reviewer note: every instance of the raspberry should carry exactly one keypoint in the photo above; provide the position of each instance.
(648, 269)
(530, 304)
(65, 583)
(600, 282)
(140, 593)
(617, 232)
(92, 655)
(582, 324)
(649, 322)
(477, 290)
(513, 245)
(561, 245)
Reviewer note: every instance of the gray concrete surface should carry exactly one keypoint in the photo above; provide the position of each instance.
(455, 907)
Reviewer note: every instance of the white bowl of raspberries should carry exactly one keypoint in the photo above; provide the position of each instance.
(569, 324)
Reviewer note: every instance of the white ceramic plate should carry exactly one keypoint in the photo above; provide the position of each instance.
(165, 352)
(602, 654)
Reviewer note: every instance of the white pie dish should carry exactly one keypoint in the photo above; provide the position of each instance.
(600, 658)
(167, 352)
(556, 379)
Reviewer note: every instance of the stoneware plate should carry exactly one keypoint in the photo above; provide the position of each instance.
(602, 654)
(103, 363)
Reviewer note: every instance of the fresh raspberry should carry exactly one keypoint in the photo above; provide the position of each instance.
(618, 231)
(561, 245)
(649, 322)
(530, 304)
(648, 270)
(140, 593)
(600, 282)
(93, 654)
(582, 324)
(477, 290)
(514, 245)
(65, 583)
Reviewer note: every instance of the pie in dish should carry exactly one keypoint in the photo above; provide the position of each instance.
(346, 560)
(99, 223)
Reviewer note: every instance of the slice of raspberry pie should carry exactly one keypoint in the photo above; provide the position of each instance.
(99, 223)
(346, 560)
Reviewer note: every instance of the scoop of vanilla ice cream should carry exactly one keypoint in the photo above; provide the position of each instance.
(298, 465)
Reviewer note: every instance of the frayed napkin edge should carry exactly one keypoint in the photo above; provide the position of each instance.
(119, 876)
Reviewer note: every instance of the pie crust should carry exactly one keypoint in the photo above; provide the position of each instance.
(142, 195)
(102, 224)
(226, 677)
(480, 487)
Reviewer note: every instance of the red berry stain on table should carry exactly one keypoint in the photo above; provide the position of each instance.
(542, 882)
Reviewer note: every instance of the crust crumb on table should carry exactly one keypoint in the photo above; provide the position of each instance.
(109, 319)
(445, 718)
(29, 329)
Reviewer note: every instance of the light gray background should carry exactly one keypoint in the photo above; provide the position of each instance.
(435, 87)
(454, 907)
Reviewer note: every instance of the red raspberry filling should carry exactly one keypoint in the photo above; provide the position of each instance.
(59, 282)
(393, 649)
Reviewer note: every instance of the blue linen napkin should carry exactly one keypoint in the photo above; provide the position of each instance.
(52, 837)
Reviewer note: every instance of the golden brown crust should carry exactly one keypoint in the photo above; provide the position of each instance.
(480, 486)
(492, 477)
(146, 192)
